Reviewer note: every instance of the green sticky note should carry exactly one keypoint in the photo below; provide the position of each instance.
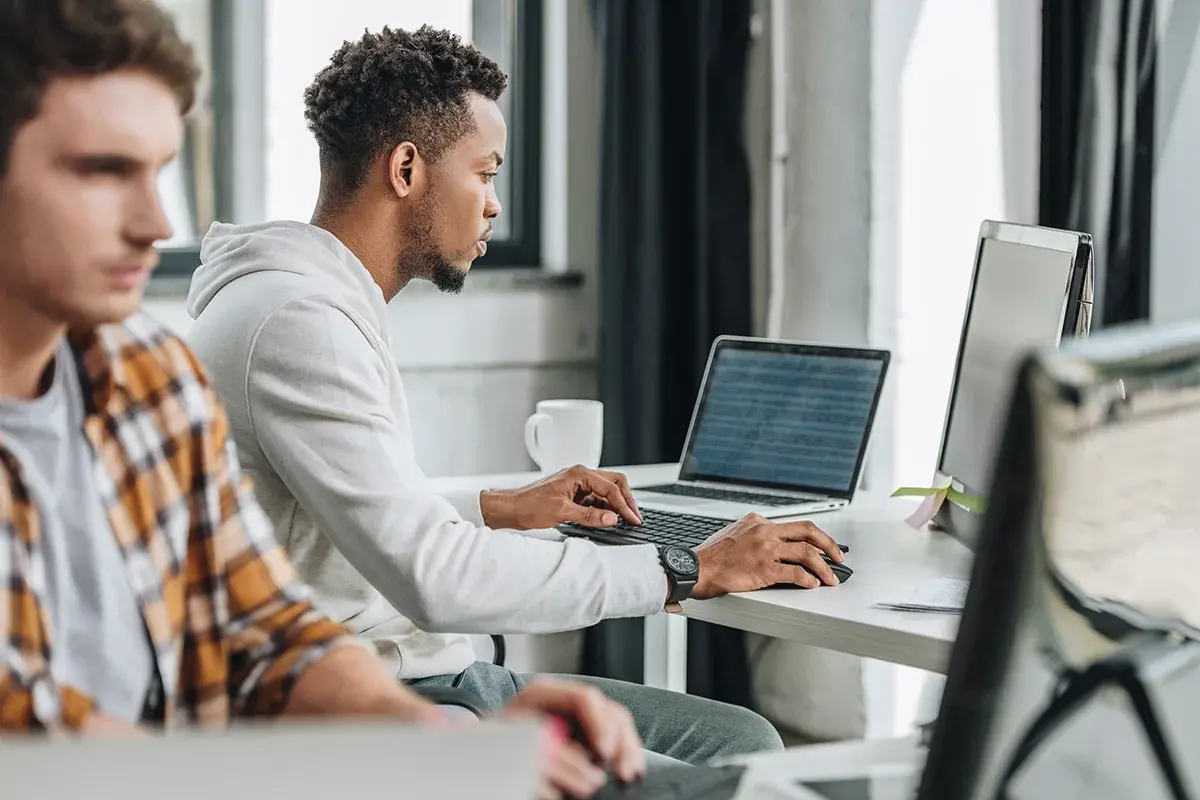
(914, 491)
(967, 502)
(944, 486)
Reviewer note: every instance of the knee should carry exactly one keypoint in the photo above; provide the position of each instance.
(750, 732)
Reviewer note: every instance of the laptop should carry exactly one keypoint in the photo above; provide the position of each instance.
(779, 429)
(298, 760)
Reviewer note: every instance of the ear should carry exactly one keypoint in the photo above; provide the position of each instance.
(406, 169)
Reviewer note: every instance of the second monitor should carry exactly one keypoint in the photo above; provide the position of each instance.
(1031, 287)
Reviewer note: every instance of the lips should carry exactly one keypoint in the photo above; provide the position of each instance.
(481, 248)
(130, 278)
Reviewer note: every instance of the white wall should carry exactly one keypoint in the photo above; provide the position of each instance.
(1175, 273)
(910, 121)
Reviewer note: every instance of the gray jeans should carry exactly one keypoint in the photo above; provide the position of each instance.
(678, 726)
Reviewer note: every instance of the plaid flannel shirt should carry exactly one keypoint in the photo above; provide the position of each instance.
(230, 624)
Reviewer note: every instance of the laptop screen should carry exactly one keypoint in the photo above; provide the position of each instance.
(785, 416)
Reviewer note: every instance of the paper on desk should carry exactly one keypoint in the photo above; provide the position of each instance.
(940, 595)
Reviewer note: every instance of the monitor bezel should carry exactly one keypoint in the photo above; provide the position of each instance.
(792, 347)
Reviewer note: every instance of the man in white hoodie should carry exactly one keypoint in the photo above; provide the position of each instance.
(291, 319)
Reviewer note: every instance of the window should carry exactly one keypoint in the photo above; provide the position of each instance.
(188, 184)
(297, 37)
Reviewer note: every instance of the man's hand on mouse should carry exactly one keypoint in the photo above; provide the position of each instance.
(592, 497)
(754, 553)
(601, 737)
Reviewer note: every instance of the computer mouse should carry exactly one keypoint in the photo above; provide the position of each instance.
(842, 572)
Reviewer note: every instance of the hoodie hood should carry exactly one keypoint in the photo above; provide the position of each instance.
(229, 252)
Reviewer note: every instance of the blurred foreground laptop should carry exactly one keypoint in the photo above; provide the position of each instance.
(297, 761)
(779, 429)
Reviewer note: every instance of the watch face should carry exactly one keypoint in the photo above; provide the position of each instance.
(681, 560)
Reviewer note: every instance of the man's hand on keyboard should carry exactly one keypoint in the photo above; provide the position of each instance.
(585, 496)
(754, 553)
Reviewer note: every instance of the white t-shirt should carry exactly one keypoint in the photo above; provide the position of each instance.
(99, 643)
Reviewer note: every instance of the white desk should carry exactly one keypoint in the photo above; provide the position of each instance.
(768, 772)
(888, 559)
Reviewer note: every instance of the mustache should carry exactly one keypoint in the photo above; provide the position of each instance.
(487, 235)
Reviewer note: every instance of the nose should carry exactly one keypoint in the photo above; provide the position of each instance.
(148, 221)
(491, 207)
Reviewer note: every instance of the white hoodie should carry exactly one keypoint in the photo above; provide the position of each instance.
(294, 332)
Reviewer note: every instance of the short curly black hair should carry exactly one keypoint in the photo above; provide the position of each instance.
(42, 40)
(390, 87)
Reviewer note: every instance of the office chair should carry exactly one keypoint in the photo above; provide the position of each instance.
(499, 651)
(1077, 662)
(452, 697)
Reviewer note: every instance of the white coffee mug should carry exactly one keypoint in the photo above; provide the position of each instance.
(563, 433)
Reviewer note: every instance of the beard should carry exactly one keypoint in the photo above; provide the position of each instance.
(424, 260)
(437, 269)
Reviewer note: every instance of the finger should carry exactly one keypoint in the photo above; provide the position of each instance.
(584, 705)
(805, 555)
(594, 714)
(595, 483)
(596, 516)
(622, 483)
(807, 532)
(629, 761)
(796, 575)
(572, 772)
(592, 501)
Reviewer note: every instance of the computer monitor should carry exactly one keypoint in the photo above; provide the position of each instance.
(1031, 287)
(1085, 556)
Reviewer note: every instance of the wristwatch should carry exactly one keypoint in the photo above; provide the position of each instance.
(683, 570)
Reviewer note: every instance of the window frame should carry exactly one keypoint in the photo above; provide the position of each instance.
(523, 248)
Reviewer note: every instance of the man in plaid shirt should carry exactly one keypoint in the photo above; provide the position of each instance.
(141, 586)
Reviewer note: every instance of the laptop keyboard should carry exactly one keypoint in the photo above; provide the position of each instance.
(730, 495)
(664, 527)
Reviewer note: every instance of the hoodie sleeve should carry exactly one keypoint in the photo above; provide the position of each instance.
(318, 401)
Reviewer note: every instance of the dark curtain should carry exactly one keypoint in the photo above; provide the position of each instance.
(1097, 152)
(674, 259)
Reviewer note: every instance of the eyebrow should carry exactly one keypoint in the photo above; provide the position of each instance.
(499, 158)
(101, 159)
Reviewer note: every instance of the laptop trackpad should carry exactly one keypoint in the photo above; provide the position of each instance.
(685, 505)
